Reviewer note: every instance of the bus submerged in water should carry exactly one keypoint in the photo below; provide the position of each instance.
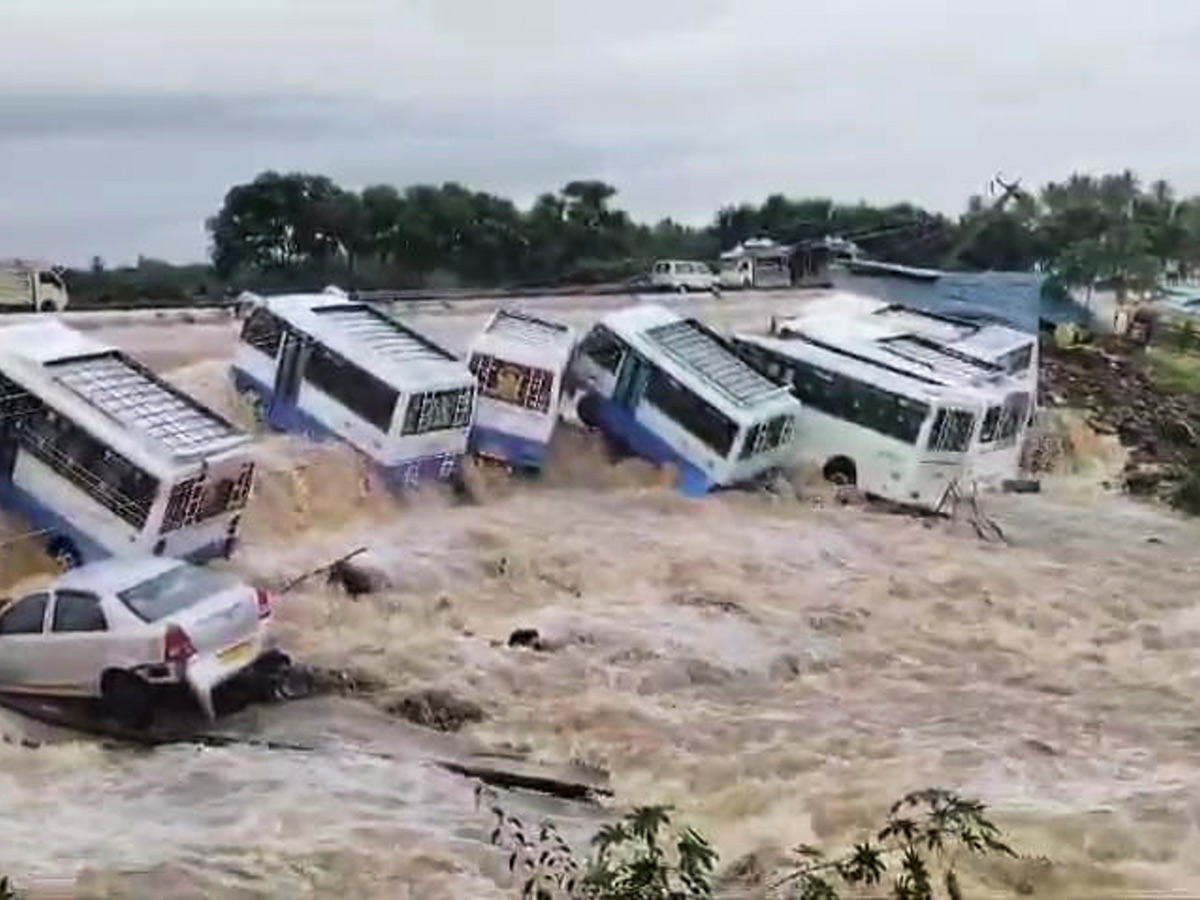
(673, 391)
(520, 362)
(105, 458)
(1001, 361)
(325, 366)
(895, 433)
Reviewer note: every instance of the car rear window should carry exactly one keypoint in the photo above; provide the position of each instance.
(173, 591)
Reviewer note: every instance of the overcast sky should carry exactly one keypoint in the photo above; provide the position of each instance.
(123, 122)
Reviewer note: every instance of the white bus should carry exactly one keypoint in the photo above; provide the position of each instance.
(31, 287)
(519, 361)
(673, 391)
(1001, 360)
(106, 459)
(896, 434)
(326, 366)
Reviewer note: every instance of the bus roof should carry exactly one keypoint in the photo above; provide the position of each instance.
(92, 383)
(525, 328)
(688, 348)
(842, 315)
(386, 348)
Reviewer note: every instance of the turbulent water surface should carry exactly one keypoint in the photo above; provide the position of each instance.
(779, 668)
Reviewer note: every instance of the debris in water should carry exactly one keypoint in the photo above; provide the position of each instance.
(527, 637)
(357, 578)
(437, 709)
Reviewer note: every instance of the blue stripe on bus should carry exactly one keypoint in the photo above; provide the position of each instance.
(619, 422)
(519, 451)
(43, 518)
(290, 418)
(281, 416)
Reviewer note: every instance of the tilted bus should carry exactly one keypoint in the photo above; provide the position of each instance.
(895, 433)
(519, 361)
(326, 366)
(105, 458)
(673, 391)
(1001, 360)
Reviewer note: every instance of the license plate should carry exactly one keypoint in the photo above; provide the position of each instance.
(236, 655)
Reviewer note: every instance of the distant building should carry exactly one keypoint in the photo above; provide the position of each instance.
(760, 263)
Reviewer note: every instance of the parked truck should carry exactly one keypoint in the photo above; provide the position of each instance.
(31, 287)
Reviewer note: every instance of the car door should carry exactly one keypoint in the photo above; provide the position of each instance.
(78, 642)
(22, 639)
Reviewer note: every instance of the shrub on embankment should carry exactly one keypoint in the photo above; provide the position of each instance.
(913, 856)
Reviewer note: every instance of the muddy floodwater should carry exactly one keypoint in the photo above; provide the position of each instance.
(780, 668)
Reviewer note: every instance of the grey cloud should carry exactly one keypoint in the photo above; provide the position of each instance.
(127, 136)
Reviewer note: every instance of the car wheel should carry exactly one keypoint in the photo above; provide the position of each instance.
(128, 699)
(48, 306)
(65, 554)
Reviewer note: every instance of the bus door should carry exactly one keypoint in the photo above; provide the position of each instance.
(631, 381)
(289, 372)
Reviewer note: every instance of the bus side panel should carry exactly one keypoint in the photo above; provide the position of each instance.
(884, 467)
(254, 373)
(644, 439)
(52, 503)
(515, 435)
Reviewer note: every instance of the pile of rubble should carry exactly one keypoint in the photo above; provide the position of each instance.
(1160, 430)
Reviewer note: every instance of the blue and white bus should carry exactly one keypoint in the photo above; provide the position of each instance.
(326, 366)
(104, 458)
(520, 362)
(673, 391)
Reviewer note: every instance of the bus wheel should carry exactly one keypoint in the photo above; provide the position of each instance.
(127, 699)
(587, 411)
(64, 552)
(840, 470)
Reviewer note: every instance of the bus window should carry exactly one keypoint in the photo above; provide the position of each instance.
(437, 411)
(510, 382)
(767, 436)
(357, 390)
(690, 412)
(991, 423)
(603, 348)
(263, 331)
(863, 404)
(1015, 408)
(951, 431)
(100, 472)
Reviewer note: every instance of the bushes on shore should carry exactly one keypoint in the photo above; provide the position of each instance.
(643, 856)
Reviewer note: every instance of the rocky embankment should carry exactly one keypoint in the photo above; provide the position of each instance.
(1159, 430)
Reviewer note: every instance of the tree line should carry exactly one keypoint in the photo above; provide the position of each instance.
(300, 231)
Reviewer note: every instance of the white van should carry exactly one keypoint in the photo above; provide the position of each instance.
(681, 275)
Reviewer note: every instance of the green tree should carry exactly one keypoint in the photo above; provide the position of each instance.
(644, 857)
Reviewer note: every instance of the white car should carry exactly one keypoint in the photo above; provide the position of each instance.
(682, 275)
(121, 629)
